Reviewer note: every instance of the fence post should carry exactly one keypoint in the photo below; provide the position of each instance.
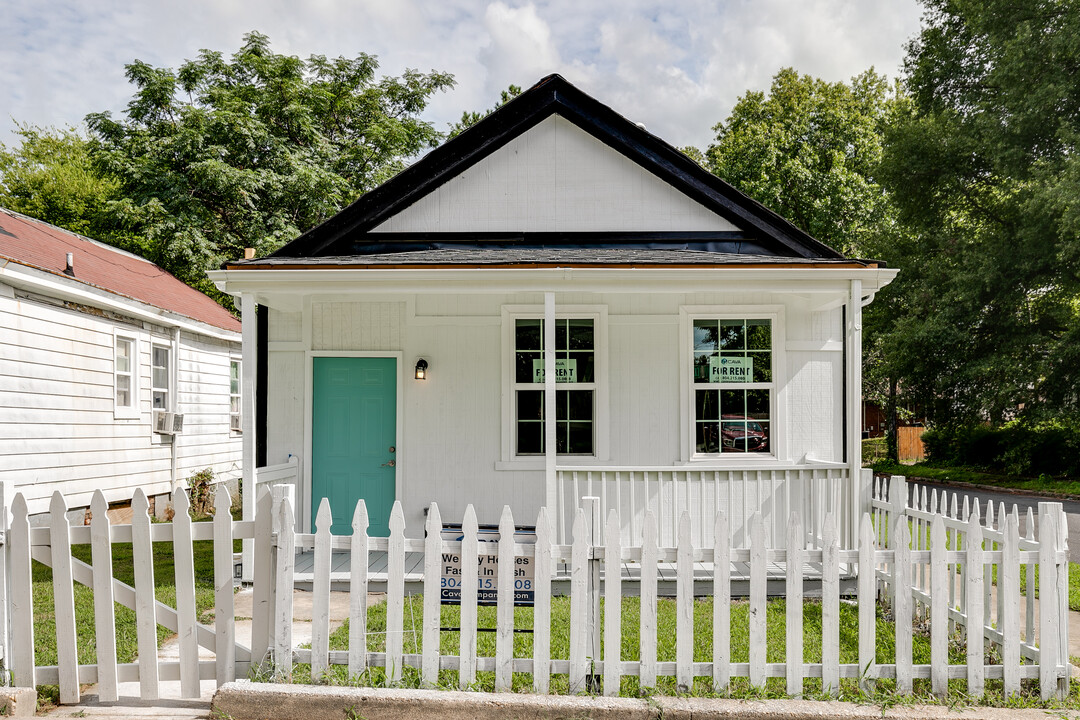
(1050, 620)
(898, 497)
(1054, 602)
(591, 505)
(5, 630)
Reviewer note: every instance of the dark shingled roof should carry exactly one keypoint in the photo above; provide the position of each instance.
(346, 238)
(558, 256)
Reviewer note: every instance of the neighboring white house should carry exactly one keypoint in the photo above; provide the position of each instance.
(706, 352)
(113, 374)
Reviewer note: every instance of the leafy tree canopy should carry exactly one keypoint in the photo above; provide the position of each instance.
(468, 119)
(51, 176)
(985, 169)
(252, 150)
(808, 150)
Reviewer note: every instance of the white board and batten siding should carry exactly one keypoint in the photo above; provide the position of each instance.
(554, 177)
(454, 449)
(58, 429)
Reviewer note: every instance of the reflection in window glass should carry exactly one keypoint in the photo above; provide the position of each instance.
(732, 372)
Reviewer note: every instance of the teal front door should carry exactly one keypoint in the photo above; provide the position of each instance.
(353, 438)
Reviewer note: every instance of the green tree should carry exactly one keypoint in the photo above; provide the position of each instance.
(808, 150)
(468, 119)
(985, 171)
(50, 176)
(252, 150)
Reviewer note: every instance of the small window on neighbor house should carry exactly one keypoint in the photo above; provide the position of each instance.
(124, 369)
(234, 396)
(160, 361)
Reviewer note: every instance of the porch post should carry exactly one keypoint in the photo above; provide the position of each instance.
(854, 399)
(549, 407)
(247, 423)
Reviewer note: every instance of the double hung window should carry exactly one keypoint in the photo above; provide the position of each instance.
(576, 386)
(160, 375)
(733, 387)
(234, 396)
(125, 377)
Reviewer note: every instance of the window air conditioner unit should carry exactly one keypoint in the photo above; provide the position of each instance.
(163, 422)
(168, 423)
(234, 423)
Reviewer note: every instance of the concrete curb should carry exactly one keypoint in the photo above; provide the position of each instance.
(18, 701)
(245, 700)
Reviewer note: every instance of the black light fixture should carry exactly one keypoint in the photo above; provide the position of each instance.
(421, 369)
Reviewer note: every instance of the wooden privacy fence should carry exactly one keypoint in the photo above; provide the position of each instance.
(915, 574)
(51, 545)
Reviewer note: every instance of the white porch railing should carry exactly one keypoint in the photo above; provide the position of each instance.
(810, 491)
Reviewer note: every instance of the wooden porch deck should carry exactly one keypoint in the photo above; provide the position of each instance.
(303, 574)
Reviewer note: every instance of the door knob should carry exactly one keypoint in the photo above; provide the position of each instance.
(389, 464)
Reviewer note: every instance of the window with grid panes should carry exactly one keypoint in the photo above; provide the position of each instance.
(124, 373)
(159, 376)
(575, 394)
(234, 395)
(733, 386)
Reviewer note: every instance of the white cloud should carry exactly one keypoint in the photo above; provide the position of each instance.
(677, 67)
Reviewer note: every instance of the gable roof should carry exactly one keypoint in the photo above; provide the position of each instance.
(350, 231)
(39, 245)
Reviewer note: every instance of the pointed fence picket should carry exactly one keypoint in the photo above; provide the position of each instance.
(910, 546)
(51, 545)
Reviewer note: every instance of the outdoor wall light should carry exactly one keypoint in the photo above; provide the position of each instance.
(421, 369)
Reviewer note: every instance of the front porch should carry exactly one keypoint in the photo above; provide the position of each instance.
(304, 575)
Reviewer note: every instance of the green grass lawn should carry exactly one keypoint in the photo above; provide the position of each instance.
(560, 628)
(1069, 487)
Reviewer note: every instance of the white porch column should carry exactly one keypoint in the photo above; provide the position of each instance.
(550, 482)
(853, 375)
(247, 422)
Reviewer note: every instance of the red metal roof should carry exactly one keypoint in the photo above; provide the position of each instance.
(37, 244)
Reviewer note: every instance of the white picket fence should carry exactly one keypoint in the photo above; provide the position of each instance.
(950, 560)
(51, 546)
(945, 577)
(596, 558)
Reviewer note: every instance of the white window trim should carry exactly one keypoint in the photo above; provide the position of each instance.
(778, 404)
(170, 395)
(240, 395)
(129, 412)
(601, 417)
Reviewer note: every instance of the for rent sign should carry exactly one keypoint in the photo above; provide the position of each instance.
(731, 369)
(487, 570)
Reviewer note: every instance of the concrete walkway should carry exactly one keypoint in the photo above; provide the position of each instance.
(170, 704)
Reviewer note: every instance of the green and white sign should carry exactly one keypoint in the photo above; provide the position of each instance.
(565, 370)
(731, 369)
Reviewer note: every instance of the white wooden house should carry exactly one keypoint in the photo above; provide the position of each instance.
(558, 260)
(113, 373)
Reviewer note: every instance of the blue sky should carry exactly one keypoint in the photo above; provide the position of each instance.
(676, 66)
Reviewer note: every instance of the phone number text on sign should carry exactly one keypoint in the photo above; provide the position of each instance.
(487, 569)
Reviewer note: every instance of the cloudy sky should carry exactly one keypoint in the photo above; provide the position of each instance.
(676, 66)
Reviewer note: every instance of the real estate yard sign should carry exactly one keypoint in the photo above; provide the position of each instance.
(487, 569)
